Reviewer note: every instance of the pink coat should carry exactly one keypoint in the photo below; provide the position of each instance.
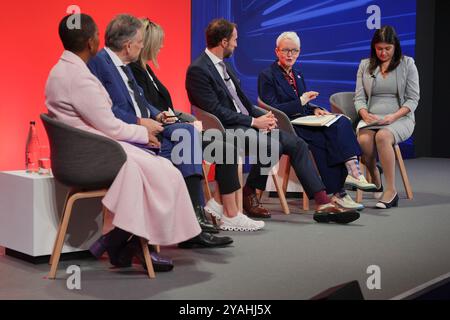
(148, 197)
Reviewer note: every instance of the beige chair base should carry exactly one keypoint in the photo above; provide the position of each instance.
(402, 168)
(72, 196)
(287, 172)
(206, 167)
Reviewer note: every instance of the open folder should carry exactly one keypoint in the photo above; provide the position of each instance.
(370, 125)
(317, 121)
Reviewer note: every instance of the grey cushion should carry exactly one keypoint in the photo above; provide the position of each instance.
(284, 123)
(209, 121)
(342, 102)
(82, 159)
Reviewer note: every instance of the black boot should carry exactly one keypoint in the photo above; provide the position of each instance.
(203, 221)
(134, 249)
(112, 242)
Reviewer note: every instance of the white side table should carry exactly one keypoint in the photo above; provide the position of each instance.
(30, 210)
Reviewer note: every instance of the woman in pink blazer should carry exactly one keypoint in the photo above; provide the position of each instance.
(142, 202)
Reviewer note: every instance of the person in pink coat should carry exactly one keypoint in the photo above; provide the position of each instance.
(142, 203)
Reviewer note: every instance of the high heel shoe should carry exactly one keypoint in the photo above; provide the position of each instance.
(387, 205)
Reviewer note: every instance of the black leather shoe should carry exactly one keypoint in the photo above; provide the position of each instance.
(205, 240)
(134, 249)
(203, 221)
(331, 213)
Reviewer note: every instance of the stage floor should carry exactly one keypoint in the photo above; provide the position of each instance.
(292, 258)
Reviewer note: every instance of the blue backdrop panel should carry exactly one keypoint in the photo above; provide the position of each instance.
(334, 37)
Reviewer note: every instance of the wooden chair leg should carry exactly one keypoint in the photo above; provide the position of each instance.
(239, 200)
(359, 193)
(59, 242)
(104, 213)
(148, 259)
(287, 172)
(206, 167)
(401, 166)
(305, 201)
(214, 221)
(68, 195)
(281, 194)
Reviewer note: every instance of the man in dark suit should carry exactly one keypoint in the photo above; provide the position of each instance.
(123, 40)
(213, 86)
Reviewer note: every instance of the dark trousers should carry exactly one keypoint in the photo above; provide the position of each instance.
(288, 144)
(190, 167)
(226, 174)
(331, 147)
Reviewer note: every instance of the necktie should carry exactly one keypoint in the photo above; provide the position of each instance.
(232, 90)
(137, 97)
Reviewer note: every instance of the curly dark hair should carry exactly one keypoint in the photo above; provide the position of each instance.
(76, 39)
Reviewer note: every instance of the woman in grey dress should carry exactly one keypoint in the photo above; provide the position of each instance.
(386, 96)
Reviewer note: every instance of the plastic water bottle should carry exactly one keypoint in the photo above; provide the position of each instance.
(32, 150)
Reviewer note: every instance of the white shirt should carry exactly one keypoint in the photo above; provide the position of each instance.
(118, 63)
(151, 78)
(216, 61)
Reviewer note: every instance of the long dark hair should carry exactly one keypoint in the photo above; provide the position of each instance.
(388, 35)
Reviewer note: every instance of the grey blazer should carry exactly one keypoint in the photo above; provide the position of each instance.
(407, 85)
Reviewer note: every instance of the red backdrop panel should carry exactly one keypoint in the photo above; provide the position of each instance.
(31, 46)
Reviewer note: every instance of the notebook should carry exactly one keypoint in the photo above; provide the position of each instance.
(317, 121)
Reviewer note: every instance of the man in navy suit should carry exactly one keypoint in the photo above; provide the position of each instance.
(213, 86)
(123, 43)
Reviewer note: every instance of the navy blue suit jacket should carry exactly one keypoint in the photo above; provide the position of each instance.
(104, 69)
(274, 90)
(207, 90)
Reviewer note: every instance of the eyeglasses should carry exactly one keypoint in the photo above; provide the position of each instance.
(286, 51)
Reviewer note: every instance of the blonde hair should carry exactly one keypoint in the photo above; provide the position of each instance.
(291, 35)
(153, 36)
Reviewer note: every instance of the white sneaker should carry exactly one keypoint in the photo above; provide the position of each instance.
(214, 208)
(240, 223)
(347, 202)
(360, 183)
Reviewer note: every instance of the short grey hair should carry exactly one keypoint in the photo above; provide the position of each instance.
(291, 35)
(120, 30)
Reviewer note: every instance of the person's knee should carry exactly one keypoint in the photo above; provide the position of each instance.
(365, 139)
(383, 137)
(344, 122)
(302, 146)
(289, 139)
